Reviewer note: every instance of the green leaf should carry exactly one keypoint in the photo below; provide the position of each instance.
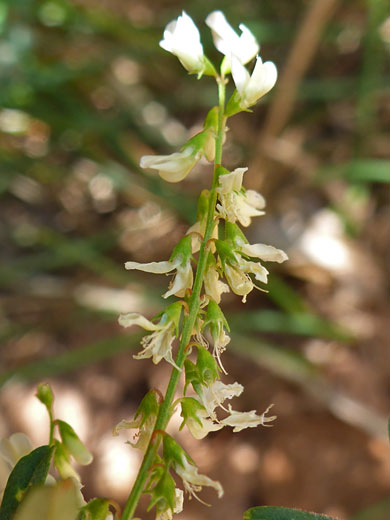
(281, 513)
(32, 469)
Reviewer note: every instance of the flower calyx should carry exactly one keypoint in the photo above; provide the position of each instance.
(180, 261)
(196, 418)
(158, 344)
(144, 420)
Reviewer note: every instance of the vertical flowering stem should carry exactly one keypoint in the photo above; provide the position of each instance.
(194, 303)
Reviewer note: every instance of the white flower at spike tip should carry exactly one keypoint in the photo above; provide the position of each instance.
(182, 281)
(216, 393)
(241, 420)
(227, 41)
(192, 481)
(157, 345)
(174, 167)
(251, 88)
(182, 38)
(235, 204)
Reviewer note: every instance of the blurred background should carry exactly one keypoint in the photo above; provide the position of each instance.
(85, 91)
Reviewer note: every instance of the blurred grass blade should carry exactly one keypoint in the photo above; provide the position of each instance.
(379, 511)
(302, 323)
(281, 513)
(72, 360)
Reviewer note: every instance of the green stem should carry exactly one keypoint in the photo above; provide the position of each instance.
(194, 303)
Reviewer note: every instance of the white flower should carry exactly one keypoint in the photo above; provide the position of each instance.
(182, 281)
(239, 281)
(216, 393)
(173, 167)
(252, 88)
(203, 426)
(264, 252)
(227, 41)
(182, 38)
(213, 286)
(157, 345)
(192, 481)
(235, 204)
(241, 420)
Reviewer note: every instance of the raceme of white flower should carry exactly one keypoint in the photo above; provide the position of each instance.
(216, 249)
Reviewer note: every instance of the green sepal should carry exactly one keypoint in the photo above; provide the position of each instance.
(192, 375)
(148, 408)
(203, 143)
(183, 249)
(172, 314)
(225, 66)
(189, 409)
(233, 106)
(163, 493)
(211, 121)
(221, 170)
(61, 461)
(96, 509)
(30, 470)
(208, 369)
(225, 252)
(215, 316)
(234, 234)
(173, 453)
(45, 395)
(209, 69)
(73, 444)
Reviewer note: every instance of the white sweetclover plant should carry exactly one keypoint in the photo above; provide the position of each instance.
(181, 334)
(188, 325)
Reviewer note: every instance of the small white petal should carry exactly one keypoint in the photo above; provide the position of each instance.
(231, 181)
(134, 318)
(240, 75)
(153, 267)
(174, 167)
(182, 281)
(264, 252)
